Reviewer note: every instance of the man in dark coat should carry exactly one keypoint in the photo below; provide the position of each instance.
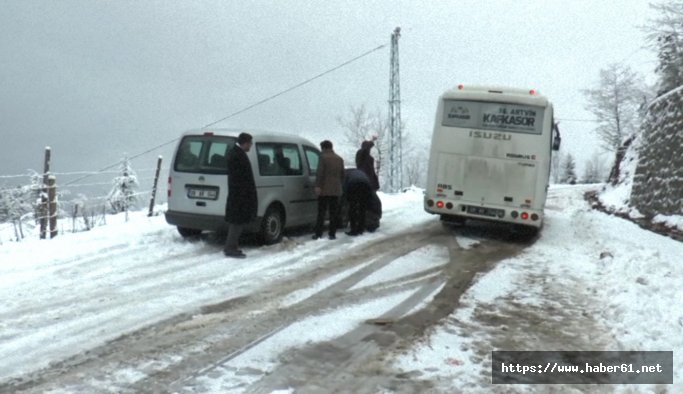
(366, 163)
(357, 191)
(242, 203)
(328, 187)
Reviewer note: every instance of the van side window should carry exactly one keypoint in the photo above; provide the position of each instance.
(312, 156)
(278, 159)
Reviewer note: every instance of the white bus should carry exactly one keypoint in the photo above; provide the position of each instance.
(490, 155)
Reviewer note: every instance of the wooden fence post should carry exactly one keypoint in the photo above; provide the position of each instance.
(154, 188)
(52, 204)
(43, 195)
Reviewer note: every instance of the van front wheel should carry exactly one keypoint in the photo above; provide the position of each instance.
(272, 226)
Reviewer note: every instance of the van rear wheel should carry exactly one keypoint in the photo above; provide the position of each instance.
(272, 225)
(188, 232)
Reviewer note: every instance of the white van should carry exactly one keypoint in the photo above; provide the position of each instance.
(284, 169)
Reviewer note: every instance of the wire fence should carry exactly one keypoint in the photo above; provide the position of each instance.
(67, 174)
(24, 206)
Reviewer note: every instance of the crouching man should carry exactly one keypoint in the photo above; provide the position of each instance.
(358, 192)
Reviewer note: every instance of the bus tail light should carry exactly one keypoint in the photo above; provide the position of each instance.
(461, 87)
(532, 92)
(449, 205)
(534, 216)
(430, 203)
(514, 214)
(439, 204)
(524, 216)
(169, 187)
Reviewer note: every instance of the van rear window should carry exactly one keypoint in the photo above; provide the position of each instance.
(203, 154)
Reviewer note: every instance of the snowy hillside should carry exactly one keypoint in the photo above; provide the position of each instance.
(647, 184)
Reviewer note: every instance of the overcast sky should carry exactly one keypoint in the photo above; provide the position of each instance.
(97, 79)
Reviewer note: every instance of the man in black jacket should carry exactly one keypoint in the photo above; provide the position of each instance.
(242, 203)
(366, 163)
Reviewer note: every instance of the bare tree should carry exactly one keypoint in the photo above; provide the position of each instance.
(414, 170)
(618, 104)
(665, 35)
(361, 125)
(358, 125)
(21, 202)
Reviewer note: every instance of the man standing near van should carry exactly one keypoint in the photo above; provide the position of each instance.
(328, 187)
(242, 201)
(366, 163)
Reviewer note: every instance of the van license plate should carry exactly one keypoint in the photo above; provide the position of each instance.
(203, 194)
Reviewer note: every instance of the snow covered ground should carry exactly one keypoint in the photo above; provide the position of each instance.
(587, 268)
(590, 282)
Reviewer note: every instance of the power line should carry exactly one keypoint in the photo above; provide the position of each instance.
(346, 63)
(577, 120)
(297, 85)
(15, 176)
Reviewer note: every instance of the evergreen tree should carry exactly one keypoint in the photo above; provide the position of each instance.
(590, 173)
(568, 168)
(122, 196)
(594, 172)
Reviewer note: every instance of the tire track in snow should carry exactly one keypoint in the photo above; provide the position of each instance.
(357, 361)
(179, 336)
(330, 298)
(111, 305)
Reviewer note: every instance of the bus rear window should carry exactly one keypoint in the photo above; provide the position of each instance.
(493, 116)
(203, 154)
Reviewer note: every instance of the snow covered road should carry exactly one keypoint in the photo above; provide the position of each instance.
(131, 307)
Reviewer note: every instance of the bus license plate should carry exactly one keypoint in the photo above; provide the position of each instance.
(491, 212)
(204, 194)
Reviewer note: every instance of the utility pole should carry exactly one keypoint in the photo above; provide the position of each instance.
(395, 149)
